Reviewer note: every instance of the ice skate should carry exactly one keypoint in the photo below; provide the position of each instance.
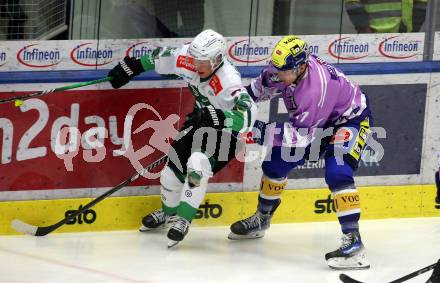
(178, 231)
(351, 254)
(156, 220)
(250, 228)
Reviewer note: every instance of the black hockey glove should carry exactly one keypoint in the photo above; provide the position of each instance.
(262, 131)
(258, 132)
(206, 117)
(125, 71)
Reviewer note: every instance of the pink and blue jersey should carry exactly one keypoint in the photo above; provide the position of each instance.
(324, 97)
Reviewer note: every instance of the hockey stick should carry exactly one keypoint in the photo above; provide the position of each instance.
(33, 230)
(20, 98)
(347, 279)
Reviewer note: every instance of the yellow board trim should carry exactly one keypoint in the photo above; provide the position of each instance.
(125, 213)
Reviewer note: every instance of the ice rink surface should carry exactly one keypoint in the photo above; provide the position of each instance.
(288, 253)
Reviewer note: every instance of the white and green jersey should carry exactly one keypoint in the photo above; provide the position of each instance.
(223, 89)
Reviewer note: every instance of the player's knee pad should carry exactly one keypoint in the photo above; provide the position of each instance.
(338, 175)
(347, 201)
(272, 188)
(169, 180)
(199, 169)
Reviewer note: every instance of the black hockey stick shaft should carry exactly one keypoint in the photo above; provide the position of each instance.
(58, 89)
(44, 230)
(347, 279)
(414, 274)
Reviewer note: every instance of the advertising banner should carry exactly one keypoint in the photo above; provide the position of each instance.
(242, 51)
(92, 138)
(345, 48)
(219, 208)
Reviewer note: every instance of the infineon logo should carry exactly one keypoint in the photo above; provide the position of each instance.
(85, 55)
(139, 49)
(396, 49)
(241, 51)
(345, 48)
(32, 56)
(314, 49)
(2, 58)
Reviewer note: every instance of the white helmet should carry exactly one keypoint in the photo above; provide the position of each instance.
(208, 45)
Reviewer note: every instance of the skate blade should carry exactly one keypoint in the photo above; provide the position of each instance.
(254, 235)
(348, 264)
(172, 243)
(144, 229)
(350, 267)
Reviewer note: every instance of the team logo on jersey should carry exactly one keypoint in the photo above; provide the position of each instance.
(216, 85)
(342, 135)
(393, 48)
(186, 62)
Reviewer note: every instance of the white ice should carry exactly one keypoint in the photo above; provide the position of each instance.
(288, 253)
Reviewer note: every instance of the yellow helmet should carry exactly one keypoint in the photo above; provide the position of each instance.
(289, 53)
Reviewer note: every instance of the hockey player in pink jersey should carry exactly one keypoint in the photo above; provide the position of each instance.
(328, 116)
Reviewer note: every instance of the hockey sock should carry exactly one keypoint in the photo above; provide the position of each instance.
(270, 194)
(190, 199)
(347, 204)
(196, 183)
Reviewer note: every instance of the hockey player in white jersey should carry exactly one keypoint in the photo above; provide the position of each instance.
(222, 104)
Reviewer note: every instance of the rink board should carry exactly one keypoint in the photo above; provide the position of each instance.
(125, 213)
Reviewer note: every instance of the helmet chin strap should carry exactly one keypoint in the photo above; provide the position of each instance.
(215, 66)
(215, 63)
(299, 75)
